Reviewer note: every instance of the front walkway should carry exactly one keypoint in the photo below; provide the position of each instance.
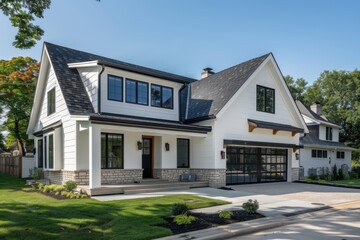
(274, 198)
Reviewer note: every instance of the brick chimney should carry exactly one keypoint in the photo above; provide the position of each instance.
(206, 72)
(316, 108)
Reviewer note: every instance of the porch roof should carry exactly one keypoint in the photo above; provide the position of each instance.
(274, 126)
(132, 121)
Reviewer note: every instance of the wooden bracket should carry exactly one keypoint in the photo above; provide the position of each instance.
(293, 133)
(275, 131)
(252, 126)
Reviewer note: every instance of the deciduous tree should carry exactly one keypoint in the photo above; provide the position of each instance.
(17, 87)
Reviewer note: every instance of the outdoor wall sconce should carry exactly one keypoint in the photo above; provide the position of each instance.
(222, 153)
(167, 146)
(139, 145)
(297, 156)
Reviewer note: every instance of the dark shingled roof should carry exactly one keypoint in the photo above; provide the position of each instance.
(309, 113)
(313, 140)
(70, 82)
(209, 95)
(276, 126)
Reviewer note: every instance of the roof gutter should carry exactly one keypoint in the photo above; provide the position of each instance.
(99, 88)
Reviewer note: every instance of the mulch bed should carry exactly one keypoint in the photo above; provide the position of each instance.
(50, 194)
(207, 221)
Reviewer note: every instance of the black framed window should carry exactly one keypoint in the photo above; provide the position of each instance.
(112, 150)
(45, 151)
(51, 151)
(51, 102)
(137, 92)
(162, 96)
(183, 153)
(115, 88)
(313, 153)
(265, 99)
(340, 155)
(319, 153)
(40, 152)
(329, 135)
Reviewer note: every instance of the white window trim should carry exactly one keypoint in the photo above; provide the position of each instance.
(46, 158)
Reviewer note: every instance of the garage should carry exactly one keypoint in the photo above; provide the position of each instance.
(255, 165)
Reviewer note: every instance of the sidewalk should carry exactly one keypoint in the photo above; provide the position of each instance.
(248, 227)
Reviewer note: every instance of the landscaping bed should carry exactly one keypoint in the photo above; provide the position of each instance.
(343, 183)
(208, 220)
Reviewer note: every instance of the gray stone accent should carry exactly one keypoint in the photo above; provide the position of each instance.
(216, 177)
(297, 174)
(108, 176)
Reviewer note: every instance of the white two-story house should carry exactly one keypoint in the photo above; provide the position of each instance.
(321, 146)
(99, 121)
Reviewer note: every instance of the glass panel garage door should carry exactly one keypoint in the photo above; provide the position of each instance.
(252, 165)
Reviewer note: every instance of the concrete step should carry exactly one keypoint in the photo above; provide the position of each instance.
(104, 191)
(150, 190)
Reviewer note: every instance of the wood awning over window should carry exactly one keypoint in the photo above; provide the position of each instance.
(276, 127)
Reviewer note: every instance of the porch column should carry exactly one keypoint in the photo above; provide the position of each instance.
(94, 157)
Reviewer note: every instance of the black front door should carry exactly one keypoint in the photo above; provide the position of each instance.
(147, 158)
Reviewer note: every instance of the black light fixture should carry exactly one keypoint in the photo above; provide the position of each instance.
(223, 155)
(167, 146)
(139, 145)
(297, 156)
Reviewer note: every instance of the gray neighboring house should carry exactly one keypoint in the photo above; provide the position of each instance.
(321, 145)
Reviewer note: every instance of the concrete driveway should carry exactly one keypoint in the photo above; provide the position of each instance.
(274, 198)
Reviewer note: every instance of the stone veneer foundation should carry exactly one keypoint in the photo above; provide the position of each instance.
(216, 177)
(108, 176)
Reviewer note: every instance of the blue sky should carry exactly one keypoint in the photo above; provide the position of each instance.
(184, 36)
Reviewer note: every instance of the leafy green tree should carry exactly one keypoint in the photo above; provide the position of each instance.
(17, 87)
(297, 87)
(2, 142)
(22, 14)
(339, 93)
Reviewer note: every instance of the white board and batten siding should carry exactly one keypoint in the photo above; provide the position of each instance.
(115, 107)
(66, 150)
(89, 77)
(233, 121)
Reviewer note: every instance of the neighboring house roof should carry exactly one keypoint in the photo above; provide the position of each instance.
(70, 81)
(311, 140)
(148, 123)
(209, 95)
(309, 113)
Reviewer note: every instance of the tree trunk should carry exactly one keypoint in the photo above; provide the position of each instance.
(21, 146)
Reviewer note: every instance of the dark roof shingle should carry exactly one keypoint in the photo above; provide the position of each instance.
(209, 95)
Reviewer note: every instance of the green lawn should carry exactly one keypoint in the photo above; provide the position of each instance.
(351, 182)
(35, 216)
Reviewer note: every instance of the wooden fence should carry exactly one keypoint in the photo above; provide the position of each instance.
(10, 165)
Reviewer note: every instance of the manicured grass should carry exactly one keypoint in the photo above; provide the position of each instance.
(350, 182)
(35, 216)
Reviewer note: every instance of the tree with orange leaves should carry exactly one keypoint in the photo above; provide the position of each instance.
(17, 88)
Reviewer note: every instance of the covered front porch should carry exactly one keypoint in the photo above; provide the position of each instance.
(113, 156)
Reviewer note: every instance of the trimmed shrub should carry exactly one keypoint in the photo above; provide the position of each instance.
(353, 175)
(184, 219)
(70, 186)
(335, 173)
(251, 206)
(340, 174)
(178, 209)
(225, 214)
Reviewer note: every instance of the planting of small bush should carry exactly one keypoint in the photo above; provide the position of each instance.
(225, 214)
(70, 186)
(178, 209)
(56, 191)
(251, 206)
(184, 219)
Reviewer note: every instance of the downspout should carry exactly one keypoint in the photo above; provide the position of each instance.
(99, 88)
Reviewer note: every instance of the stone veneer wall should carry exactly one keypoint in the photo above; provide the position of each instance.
(108, 176)
(216, 177)
(297, 174)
